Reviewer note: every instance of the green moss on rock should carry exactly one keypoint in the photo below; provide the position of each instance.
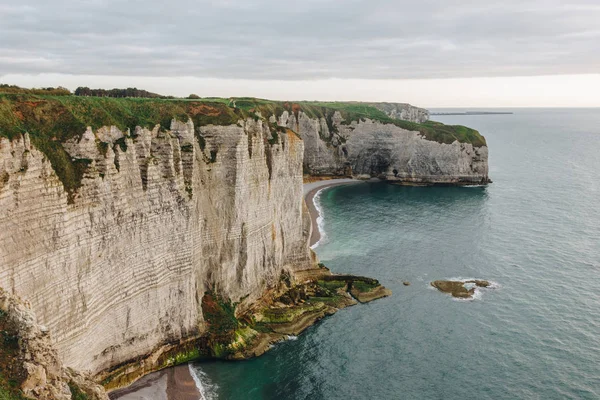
(76, 393)
(12, 374)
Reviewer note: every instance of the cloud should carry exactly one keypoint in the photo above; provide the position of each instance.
(313, 39)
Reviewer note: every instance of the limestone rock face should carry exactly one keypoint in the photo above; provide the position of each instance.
(373, 149)
(42, 373)
(160, 218)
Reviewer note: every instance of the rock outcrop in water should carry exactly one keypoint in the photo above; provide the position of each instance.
(128, 242)
(458, 288)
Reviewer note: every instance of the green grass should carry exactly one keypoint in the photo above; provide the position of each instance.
(6, 394)
(332, 285)
(289, 314)
(11, 372)
(183, 356)
(363, 286)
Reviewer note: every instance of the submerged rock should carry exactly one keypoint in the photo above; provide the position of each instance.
(406, 283)
(458, 288)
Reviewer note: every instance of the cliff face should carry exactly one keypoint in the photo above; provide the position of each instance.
(160, 218)
(369, 148)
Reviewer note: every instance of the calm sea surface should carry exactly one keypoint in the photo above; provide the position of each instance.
(535, 232)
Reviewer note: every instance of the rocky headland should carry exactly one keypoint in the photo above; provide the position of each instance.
(145, 233)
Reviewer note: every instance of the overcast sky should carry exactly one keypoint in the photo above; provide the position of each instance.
(418, 51)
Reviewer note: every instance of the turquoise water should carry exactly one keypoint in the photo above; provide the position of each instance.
(535, 232)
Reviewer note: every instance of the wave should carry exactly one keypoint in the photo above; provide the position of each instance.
(207, 389)
(493, 284)
(320, 220)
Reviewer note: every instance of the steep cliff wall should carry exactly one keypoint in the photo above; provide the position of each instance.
(403, 153)
(119, 267)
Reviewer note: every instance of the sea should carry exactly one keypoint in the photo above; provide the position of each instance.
(534, 233)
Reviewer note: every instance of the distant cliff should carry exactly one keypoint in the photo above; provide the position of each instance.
(125, 222)
(403, 111)
(398, 151)
(391, 141)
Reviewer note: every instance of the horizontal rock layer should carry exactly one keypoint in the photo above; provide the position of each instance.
(160, 218)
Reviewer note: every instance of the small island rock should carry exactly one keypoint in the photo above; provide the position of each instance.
(458, 289)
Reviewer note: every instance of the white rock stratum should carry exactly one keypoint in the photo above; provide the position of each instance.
(123, 269)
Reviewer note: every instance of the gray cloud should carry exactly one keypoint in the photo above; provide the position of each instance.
(271, 39)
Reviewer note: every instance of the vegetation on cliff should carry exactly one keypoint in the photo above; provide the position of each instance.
(52, 120)
(356, 111)
(119, 93)
(52, 116)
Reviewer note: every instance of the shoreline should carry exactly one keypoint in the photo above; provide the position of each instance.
(311, 190)
(177, 383)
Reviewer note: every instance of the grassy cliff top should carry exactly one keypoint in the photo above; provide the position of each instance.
(63, 117)
(355, 111)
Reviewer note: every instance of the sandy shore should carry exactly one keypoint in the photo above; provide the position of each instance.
(310, 191)
(169, 384)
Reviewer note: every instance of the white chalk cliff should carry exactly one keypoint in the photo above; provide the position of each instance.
(118, 268)
(368, 148)
(122, 270)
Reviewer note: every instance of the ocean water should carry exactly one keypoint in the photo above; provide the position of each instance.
(534, 232)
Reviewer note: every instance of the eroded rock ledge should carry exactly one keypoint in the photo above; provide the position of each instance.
(299, 300)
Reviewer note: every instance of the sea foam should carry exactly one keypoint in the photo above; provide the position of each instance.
(320, 220)
(478, 294)
(207, 389)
